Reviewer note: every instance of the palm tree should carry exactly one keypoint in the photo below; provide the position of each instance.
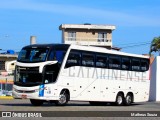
(155, 45)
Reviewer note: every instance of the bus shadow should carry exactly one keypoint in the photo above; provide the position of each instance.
(14, 105)
(106, 104)
(48, 104)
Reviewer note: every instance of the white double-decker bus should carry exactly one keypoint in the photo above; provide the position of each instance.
(59, 73)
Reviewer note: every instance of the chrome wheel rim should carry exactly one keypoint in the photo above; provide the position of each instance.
(119, 100)
(128, 99)
(62, 99)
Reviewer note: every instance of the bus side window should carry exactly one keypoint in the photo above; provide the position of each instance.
(125, 63)
(114, 62)
(144, 65)
(88, 60)
(136, 64)
(101, 61)
(73, 59)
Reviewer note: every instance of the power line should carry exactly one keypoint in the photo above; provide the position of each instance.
(133, 43)
(138, 45)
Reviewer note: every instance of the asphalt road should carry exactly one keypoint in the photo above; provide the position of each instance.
(79, 110)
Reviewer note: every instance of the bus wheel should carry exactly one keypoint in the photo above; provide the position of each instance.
(36, 102)
(119, 99)
(128, 99)
(63, 99)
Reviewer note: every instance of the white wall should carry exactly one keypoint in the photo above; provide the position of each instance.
(155, 80)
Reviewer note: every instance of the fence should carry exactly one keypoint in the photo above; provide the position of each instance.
(6, 85)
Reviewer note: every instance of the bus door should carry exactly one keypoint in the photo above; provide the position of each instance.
(50, 74)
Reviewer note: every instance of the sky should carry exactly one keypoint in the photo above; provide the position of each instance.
(137, 21)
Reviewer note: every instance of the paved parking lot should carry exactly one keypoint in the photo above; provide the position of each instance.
(82, 109)
(25, 105)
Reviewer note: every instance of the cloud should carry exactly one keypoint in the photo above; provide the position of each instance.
(120, 18)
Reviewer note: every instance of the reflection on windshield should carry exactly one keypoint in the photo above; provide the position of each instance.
(30, 76)
(33, 55)
(35, 78)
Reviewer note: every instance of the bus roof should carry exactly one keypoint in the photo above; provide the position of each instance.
(46, 45)
(104, 50)
(87, 48)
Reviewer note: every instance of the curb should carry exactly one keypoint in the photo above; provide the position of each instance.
(6, 98)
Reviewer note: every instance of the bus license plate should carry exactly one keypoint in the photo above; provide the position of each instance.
(24, 96)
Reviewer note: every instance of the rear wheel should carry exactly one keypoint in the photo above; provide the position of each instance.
(63, 99)
(119, 99)
(128, 99)
(36, 102)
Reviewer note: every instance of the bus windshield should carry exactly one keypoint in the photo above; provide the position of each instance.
(33, 55)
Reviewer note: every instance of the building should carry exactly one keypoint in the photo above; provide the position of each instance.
(7, 66)
(5, 60)
(87, 34)
(8, 59)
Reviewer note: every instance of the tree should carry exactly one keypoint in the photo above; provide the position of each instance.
(155, 45)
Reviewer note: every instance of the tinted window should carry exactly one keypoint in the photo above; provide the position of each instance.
(136, 64)
(114, 62)
(33, 55)
(144, 65)
(125, 63)
(73, 59)
(88, 59)
(101, 61)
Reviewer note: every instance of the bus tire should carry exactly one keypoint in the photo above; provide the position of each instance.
(63, 99)
(119, 99)
(128, 99)
(36, 102)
